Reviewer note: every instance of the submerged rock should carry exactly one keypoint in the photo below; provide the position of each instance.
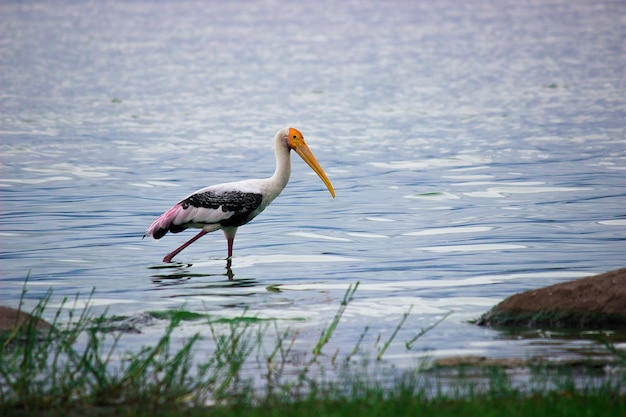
(597, 302)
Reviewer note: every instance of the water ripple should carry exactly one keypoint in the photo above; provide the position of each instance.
(450, 194)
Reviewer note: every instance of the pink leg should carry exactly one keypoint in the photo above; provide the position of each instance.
(230, 247)
(229, 233)
(168, 257)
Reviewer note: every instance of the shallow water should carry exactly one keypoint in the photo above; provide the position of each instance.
(477, 150)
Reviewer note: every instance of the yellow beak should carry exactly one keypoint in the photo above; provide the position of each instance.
(305, 153)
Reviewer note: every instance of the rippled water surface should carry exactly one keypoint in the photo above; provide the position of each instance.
(477, 150)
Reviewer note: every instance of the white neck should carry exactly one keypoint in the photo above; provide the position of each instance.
(279, 180)
(283, 165)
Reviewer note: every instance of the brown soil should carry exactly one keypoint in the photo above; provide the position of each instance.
(597, 301)
(10, 318)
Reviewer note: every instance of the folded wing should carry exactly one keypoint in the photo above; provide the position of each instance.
(209, 209)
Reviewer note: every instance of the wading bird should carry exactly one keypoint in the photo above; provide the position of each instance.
(230, 205)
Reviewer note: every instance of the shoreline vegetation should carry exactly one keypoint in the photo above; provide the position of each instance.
(74, 366)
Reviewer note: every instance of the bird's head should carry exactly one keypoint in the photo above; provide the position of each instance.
(295, 141)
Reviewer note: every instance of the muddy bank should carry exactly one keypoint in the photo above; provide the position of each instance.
(478, 362)
(594, 302)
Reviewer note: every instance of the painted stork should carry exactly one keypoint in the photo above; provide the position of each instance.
(230, 205)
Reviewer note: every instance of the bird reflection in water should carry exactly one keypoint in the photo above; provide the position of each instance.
(179, 273)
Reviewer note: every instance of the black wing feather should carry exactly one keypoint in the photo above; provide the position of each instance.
(241, 203)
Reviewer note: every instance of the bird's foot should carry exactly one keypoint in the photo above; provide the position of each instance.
(229, 271)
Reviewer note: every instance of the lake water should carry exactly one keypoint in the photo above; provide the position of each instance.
(477, 150)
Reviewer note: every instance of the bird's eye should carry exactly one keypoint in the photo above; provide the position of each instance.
(295, 137)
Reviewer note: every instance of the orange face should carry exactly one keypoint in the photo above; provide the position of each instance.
(297, 143)
(295, 138)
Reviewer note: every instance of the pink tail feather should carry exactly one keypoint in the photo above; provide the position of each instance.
(162, 224)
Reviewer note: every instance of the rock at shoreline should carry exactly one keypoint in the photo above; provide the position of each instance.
(10, 318)
(597, 302)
